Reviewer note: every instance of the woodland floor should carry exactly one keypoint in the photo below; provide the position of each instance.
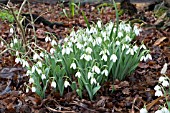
(129, 95)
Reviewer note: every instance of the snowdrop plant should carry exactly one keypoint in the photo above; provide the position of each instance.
(162, 89)
(96, 54)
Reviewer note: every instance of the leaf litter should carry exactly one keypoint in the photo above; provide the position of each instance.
(119, 96)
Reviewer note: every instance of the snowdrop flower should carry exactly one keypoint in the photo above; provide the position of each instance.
(105, 71)
(93, 81)
(36, 56)
(127, 38)
(86, 57)
(127, 28)
(25, 63)
(157, 87)
(52, 50)
(73, 65)
(93, 30)
(98, 40)
(104, 57)
(2, 43)
(161, 79)
(95, 69)
(130, 51)
(79, 46)
(15, 41)
(11, 30)
(136, 30)
(43, 76)
(78, 74)
(113, 57)
(88, 50)
(31, 80)
(123, 47)
(165, 83)
(148, 56)
(41, 54)
(47, 39)
(39, 63)
(53, 42)
(27, 90)
(33, 69)
(67, 50)
(164, 69)
(135, 48)
(17, 60)
(143, 110)
(142, 58)
(28, 72)
(17, 53)
(38, 71)
(53, 84)
(33, 89)
(120, 34)
(117, 43)
(158, 93)
(72, 34)
(99, 24)
(11, 45)
(143, 46)
(66, 84)
(158, 111)
(165, 110)
(89, 75)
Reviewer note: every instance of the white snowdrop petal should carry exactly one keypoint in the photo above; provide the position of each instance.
(143, 110)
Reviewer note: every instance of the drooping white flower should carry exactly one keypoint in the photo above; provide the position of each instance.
(11, 30)
(117, 43)
(88, 50)
(104, 57)
(17, 53)
(120, 34)
(24, 63)
(164, 69)
(53, 43)
(99, 24)
(79, 46)
(157, 87)
(67, 50)
(127, 28)
(33, 69)
(39, 71)
(78, 74)
(135, 48)
(130, 50)
(89, 75)
(28, 72)
(158, 111)
(17, 60)
(11, 45)
(72, 34)
(165, 83)
(93, 81)
(161, 79)
(52, 50)
(113, 57)
(53, 84)
(33, 89)
(41, 54)
(136, 30)
(96, 69)
(36, 56)
(47, 39)
(148, 56)
(43, 76)
(142, 58)
(66, 84)
(165, 110)
(39, 63)
(15, 41)
(73, 65)
(31, 80)
(27, 90)
(105, 71)
(127, 38)
(158, 93)
(2, 43)
(87, 57)
(143, 46)
(98, 40)
(143, 110)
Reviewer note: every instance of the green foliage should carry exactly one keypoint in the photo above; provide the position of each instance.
(5, 15)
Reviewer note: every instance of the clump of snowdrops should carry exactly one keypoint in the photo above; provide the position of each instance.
(162, 89)
(86, 59)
